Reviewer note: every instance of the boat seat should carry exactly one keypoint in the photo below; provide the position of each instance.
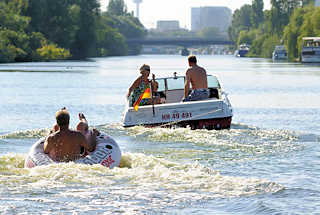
(162, 94)
(214, 93)
(174, 95)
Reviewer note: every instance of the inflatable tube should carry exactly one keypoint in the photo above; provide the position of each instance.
(107, 153)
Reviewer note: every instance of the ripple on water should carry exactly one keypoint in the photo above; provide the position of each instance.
(137, 172)
(238, 143)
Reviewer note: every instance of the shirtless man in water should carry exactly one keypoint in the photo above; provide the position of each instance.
(65, 145)
(197, 76)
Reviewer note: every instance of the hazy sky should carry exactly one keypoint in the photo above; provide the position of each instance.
(153, 10)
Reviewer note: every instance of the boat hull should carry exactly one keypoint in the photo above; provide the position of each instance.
(210, 124)
(279, 57)
(310, 59)
(208, 114)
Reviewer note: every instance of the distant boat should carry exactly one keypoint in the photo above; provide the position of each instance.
(310, 52)
(242, 51)
(185, 52)
(279, 53)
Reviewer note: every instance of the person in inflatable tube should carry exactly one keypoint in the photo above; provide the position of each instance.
(83, 128)
(64, 144)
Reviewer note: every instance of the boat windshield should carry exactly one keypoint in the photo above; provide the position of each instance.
(311, 42)
(175, 83)
(213, 82)
(179, 82)
(161, 85)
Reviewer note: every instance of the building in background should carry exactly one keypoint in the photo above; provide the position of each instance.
(205, 17)
(169, 25)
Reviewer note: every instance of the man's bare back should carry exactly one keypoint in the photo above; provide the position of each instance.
(198, 77)
(65, 145)
(195, 75)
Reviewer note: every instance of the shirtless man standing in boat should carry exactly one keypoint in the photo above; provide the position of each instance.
(65, 145)
(197, 76)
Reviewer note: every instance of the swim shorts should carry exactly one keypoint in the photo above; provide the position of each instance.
(197, 94)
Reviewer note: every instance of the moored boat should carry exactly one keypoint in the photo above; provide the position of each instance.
(185, 52)
(212, 113)
(279, 53)
(310, 52)
(242, 51)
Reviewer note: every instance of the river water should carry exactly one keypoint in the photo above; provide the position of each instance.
(267, 163)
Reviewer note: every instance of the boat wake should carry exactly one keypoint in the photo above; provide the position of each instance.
(213, 147)
(139, 175)
(27, 134)
(185, 168)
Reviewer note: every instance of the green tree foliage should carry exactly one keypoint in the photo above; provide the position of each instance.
(52, 52)
(68, 23)
(268, 45)
(85, 38)
(257, 15)
(240, 21)
(8, 52)
(281, 11)
(109, 40)
(286, 22)
(17, 42)
(306, 2)
(246, 37)
(125, 23)
(117, 8)
(48, 30)
(303, 23)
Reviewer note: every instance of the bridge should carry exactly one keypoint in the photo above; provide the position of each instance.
(185, 42)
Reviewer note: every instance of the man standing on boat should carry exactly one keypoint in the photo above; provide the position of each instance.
(197, 76)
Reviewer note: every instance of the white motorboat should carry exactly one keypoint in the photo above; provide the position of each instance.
(310, 52)
(279, 53)
(213, 113)
(242, 51)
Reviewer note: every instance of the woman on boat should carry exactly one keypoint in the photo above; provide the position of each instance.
(139, 86)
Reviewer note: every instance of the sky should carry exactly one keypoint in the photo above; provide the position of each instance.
(153, 10)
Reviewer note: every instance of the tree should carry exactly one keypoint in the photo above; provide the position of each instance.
(68, 23)
(17, 43)
(240, 21)
(257, 15)
(306, 2)
(85, 37)
(128, 25)
(246, 37)
(117, 8)
(281, 11)
(292, 31)
(109, 40)
(46, 29)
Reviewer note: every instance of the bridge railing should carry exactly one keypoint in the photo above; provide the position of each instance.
(179, 41)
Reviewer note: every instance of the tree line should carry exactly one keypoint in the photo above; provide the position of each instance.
(40, 30)
(285, 23)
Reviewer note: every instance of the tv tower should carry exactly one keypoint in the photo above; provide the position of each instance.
(137, 8)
